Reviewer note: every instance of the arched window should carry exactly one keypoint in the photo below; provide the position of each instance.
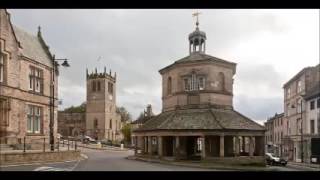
(169, 86)
(98, 86)
(221, 80)
(93, 86)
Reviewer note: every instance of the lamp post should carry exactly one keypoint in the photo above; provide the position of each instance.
(301, 131)
(51, 122)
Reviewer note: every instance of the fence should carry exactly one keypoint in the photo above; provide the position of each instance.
(32, 144)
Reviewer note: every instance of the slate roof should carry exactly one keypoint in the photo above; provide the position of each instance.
(200, 119)
(32, 47)
(196, 57)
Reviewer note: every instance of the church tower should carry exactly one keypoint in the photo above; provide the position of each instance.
(102, 120)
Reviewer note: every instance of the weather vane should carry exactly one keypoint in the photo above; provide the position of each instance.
(197, 15)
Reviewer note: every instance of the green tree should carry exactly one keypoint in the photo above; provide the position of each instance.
(126, 131)
(76, 109)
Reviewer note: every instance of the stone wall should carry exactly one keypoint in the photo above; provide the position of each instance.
(31, 157)
(213, 92)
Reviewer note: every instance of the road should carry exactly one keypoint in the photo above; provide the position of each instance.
(102, 160)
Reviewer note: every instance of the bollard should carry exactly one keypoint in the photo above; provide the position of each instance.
(24, 144)
(44, 144)
(58, 144)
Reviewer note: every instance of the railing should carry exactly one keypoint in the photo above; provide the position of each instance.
(32, 144)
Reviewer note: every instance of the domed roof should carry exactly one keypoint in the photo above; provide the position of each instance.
(197, 33)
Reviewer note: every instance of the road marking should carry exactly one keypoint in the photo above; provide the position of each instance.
(47, 168)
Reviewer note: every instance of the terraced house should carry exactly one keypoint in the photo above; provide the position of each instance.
(26, 71)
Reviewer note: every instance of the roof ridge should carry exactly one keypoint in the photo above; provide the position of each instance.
(167, 119)
(247, 119)
(216, 119)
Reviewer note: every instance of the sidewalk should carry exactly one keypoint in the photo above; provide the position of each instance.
(304, 165)
(103, 147)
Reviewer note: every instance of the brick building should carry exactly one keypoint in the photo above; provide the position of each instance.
(26, 70)
(197, 119)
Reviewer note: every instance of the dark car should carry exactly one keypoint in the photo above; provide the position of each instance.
(274, 160)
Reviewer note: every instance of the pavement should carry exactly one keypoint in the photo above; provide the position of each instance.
(114, 160)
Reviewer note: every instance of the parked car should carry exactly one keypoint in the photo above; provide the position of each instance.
(274, 160)
(106, 142)
(85, 139)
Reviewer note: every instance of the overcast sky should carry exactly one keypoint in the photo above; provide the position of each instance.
(269, 47)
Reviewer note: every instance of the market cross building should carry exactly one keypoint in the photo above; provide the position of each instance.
(198, 121)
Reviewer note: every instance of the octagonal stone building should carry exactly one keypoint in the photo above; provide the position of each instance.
(198, 121)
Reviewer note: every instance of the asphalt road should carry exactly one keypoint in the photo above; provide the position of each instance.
(102, 160)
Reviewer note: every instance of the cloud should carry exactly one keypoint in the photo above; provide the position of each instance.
(269, 46)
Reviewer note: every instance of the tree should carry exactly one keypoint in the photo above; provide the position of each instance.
(76, 109)
(125, 115)
(126, 131)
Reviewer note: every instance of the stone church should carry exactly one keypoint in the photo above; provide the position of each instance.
(198, 121)
(102, 119)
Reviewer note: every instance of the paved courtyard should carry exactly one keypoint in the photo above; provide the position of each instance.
(102, 160)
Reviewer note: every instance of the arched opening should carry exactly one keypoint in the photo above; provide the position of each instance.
(221, 80)
(169, 86)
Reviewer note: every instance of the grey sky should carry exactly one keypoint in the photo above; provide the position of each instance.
(269, 46)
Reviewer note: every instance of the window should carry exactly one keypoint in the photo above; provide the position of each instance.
(299, 106)
(311, 105)
(4, 112)
(194, 83)
(95, 124)
(35, 79)
(110, 88)
(221, 81)
(98, 86)
(187, 84)
(288, 93)
(110, 125)
(169, 86)
(318, 103)
(281, 121)
(201, 83)
(33, 119)
(93, 86)
(299, 86)
(2, 57)
(288, 109)
(312, 126)
(281, 136)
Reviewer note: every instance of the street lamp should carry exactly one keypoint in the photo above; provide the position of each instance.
(51, 122)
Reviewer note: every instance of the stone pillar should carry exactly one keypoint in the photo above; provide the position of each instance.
(222, 146)
(243, 144)
(177, 147)
(204, 46)
(145, 143)
(189, 48)
(251, 146)
(237, 146)
(259, 146)
(149, 145)
(203, 146)
(135, 144)
(160, 148)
